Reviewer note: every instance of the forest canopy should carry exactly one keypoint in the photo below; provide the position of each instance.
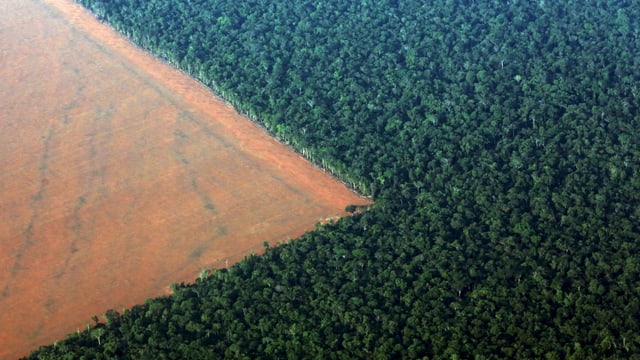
(499, 140)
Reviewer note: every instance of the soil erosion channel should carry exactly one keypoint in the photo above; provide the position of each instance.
(121, 176)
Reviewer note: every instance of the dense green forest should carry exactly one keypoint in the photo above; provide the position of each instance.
(498, 138)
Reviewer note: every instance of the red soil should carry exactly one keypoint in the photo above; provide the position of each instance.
(120, 176)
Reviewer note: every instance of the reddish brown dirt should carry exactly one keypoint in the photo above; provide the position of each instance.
(121, 176)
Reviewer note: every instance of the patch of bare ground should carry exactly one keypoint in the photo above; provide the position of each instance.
(120, 176)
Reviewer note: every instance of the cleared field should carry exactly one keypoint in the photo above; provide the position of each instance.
(121, 176)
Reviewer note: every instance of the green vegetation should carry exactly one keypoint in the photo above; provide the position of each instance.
(499, 140)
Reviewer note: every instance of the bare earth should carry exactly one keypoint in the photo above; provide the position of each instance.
(120, 176)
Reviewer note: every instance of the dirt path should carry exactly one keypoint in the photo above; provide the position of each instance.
(121, 176)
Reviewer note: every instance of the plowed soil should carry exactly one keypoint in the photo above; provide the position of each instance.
(120, 176)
